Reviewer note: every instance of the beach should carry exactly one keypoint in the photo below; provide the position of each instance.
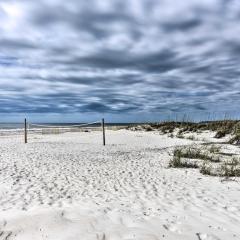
(70, 186)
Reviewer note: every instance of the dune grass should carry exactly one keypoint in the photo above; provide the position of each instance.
(222, 128)
(195, 153)
(208, 160)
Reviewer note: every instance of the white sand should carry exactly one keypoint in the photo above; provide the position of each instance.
(69, 186)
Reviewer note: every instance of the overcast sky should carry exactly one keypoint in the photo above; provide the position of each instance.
(76, 60)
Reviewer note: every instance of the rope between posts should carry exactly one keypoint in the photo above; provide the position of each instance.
(69, 126)
(28, 125)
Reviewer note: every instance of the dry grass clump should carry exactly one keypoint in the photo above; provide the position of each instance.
(225, 169)
(191, 137)
(206, 169)
(236, 135)
(208, 160)
(178, 162)
(235, 139)
(220, 133)
(195, 153)
(148, 128)
(169, 128)
(142, 127)
(231, 169)
(224, 128)
(214, 149)
(179, 135)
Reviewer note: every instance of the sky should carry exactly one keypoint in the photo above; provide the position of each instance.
(135, 60)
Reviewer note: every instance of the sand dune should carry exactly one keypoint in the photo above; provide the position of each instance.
(69, 186)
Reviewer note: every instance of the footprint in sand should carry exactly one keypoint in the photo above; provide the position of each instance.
(205, 236)
(172, 228)
(5, 235)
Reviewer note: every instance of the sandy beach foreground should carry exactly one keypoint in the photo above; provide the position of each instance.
(70, 187)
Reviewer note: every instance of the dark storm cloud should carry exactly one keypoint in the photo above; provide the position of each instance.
(184, 25)
(162, 61)
(17, 44)
(118, 57)
(90, 21)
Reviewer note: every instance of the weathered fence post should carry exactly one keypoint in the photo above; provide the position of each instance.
(25, 130)
(103, 129)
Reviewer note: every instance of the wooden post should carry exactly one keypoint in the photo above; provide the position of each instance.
(25, 130)
(103, 129)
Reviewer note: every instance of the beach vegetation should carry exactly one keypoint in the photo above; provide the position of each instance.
(222, 128)
(209, 161)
